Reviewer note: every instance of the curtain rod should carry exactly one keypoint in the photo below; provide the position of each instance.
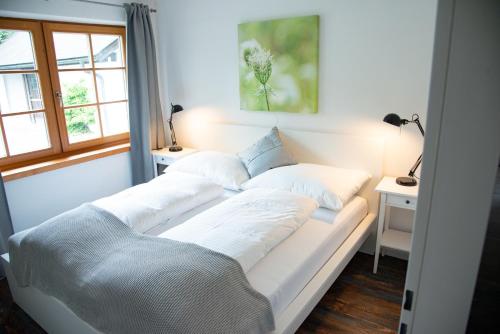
(152, 10)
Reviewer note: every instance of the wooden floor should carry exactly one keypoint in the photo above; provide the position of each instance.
(358, 302)
(485, 308)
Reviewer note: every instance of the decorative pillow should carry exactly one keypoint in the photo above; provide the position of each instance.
(221, 168)
(331, 187)
(268, 152)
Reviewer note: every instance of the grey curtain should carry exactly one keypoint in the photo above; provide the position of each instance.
(146, 120)
(5, 222)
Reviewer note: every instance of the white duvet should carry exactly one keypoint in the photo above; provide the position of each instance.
(146, 205)
(247, 226)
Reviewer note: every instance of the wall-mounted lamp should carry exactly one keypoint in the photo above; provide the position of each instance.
(173, 110)
(395, 120)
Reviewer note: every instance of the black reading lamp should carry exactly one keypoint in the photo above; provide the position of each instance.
(174, 109)
(394, 119)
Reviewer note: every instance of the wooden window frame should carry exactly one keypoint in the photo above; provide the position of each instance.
(44, 78)
(49, 28)
(44, 54)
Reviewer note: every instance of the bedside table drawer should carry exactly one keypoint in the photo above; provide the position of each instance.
(401, 201)
(163, 158)
(159, 159)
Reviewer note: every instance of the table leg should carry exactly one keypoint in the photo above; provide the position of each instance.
(155, 167)
(387, 219)
(380, 230)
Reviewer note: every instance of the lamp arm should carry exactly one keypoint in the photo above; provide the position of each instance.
(172, 132)
(415, 119)
(415, 166)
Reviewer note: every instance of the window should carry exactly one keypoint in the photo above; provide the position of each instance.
(62, 89)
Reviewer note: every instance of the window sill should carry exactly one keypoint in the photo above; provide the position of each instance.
(42, 167)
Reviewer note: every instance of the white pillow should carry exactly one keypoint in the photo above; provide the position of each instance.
(331, 187)
(224, 169)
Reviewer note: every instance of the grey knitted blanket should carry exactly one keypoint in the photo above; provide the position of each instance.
(120, 281)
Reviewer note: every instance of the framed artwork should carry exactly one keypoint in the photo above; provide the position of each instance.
(278, 65)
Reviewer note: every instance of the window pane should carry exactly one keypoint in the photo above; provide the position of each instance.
(82, 123)
(72, 50)
(114, 118)
(20, 92)
(26, 133)
(16, 50)
(77, 87)
(107, 50)
(3, 152)
(111, 85)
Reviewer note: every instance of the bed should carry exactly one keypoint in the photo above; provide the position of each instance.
(294, 281)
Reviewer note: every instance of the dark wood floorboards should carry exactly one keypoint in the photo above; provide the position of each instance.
(12, 318)
(485, 309)
(358, 302)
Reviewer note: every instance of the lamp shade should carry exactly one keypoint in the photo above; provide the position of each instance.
(176, 108)
(393, 119)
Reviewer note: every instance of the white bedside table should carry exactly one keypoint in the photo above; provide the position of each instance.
(393, 195)
(163, 158)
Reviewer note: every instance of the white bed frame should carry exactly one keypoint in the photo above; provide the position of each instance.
(316, 147)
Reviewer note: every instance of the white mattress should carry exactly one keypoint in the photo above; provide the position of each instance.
(282, 274)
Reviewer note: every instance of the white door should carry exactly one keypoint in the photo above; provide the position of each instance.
(461, 153)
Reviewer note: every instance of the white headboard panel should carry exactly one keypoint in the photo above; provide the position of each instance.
(334, 149)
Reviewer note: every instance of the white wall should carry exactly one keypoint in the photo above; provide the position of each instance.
(34, 199)
(375, 58)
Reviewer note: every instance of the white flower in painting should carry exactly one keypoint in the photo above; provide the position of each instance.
(261, 62)
(246, 48)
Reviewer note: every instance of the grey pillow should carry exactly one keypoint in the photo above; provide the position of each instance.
(267, 153)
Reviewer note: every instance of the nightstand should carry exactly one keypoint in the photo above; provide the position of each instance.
(393, 195)
(163, 158)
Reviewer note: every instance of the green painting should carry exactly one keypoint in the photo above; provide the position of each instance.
(279, 65)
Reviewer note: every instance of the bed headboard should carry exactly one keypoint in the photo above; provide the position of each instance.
(340, 150)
